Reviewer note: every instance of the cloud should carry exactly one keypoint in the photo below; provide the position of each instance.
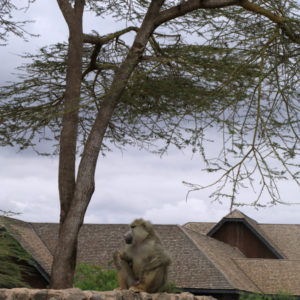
(29, 185)
(192, 210)
(130, 185)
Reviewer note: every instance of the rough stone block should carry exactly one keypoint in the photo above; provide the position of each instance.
(3, 294)
(77, 294)
(40, 295)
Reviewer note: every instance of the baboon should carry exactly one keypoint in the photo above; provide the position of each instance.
(143, 264)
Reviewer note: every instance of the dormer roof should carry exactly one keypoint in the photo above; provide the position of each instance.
(239, 217)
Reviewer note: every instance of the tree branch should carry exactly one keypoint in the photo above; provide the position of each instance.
(66, 10)
(281, 21)
(71, 13)
(92, 64)
(261, 11)
(92, 39)
(190, 6)
(86, 171)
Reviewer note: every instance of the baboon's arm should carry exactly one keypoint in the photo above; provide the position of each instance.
(124, 255)
(158, 260)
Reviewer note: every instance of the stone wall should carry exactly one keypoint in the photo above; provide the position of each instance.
(77, 294)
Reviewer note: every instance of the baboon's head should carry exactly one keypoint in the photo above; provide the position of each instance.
(139, 231)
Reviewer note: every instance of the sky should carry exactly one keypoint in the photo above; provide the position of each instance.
(129, 184)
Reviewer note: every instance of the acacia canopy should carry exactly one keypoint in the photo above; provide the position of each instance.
(229, 65)
(228, 69)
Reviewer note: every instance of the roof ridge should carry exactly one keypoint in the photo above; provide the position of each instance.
(196, 222)
(204, 254)
(8, 220)
(236, 214)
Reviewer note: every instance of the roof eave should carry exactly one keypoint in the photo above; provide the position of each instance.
(41, 270)
(206, 291)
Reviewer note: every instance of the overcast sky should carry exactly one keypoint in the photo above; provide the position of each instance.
(130, 184)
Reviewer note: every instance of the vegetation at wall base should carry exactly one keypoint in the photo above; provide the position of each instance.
(170, 287)
(93, 277)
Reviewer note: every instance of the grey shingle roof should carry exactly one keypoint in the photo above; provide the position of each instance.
(190, 268)
(201, 227)
(255, 275)
(222, 256)
(285, 238)
(199, 261)
(273, 275)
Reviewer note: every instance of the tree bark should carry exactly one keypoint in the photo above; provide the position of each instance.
(63, 266)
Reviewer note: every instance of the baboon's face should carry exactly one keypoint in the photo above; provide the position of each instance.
(137, 233)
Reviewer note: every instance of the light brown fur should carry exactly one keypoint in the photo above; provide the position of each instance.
(143, 264)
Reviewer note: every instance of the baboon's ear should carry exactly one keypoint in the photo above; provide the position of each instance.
(148, 226)
(134, 224)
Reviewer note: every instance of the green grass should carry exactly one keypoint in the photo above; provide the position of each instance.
(93, 277)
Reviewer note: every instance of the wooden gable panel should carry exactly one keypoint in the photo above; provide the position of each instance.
(238, 235)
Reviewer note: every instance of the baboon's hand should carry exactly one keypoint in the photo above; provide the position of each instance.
(117, 260)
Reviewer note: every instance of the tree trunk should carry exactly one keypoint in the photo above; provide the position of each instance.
(75, 197)
(63, 266)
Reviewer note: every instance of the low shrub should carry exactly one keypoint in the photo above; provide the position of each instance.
(170, 287)
(93, 277)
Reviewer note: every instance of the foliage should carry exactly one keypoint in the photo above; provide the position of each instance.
(8, 25)
(231, 71)
(170, 287)
(279, 296)
(14, 262)
(93, 277)
(8, 213)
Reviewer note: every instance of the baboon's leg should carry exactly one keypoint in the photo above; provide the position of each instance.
(124, 272)
(152, 280)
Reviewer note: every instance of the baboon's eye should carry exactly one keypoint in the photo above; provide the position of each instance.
(132, 226)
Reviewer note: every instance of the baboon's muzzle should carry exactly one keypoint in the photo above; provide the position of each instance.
(128, 237)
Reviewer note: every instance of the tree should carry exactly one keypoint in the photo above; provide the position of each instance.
(240, 76)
